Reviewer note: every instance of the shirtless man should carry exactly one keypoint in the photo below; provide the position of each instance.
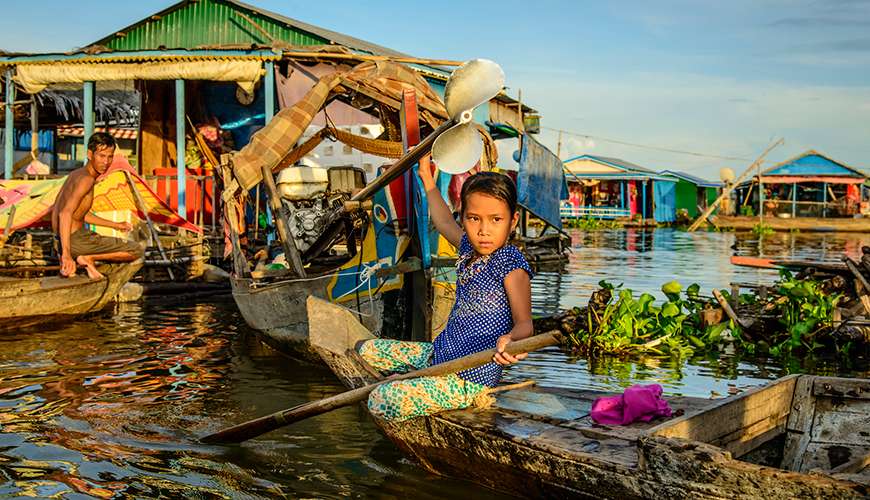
(72, 210)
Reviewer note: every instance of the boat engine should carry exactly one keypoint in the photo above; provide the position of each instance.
(308, 201)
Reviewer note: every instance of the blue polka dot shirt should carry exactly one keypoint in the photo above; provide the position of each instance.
(481, 313)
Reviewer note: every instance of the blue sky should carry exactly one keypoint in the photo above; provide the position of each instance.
(720, 78)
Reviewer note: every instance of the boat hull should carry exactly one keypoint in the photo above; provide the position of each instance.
(278, 311)
(30, 301)
(541, 442)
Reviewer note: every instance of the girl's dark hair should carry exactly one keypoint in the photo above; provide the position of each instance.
(493, 184)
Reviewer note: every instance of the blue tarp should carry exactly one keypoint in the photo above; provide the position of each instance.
(22, 140)
(665, 199)
(540, 182)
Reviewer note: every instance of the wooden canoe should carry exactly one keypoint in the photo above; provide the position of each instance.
(277, 310)
(33, 300)
(541, 442)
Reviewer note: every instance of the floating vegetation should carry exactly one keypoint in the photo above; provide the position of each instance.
(592, 224)
(793, 318)
(762, 229)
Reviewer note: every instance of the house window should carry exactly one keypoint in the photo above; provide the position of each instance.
(327, 151)
(346, 149)
(368, 168)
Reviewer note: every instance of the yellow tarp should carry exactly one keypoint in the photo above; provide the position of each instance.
(36, 77)
(33, 200)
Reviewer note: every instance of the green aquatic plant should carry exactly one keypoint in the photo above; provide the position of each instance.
(629, 324)
(626, 324)
(592, 224)
(762, 229)
(805, 311)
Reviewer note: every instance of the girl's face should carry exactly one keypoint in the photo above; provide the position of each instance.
(487, 222)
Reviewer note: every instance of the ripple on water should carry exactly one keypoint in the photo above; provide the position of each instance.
(113, 405)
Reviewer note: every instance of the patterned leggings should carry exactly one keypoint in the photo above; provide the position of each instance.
(416, 397)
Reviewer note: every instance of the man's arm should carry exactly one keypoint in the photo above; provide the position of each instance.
(440, 214)
(96, 220)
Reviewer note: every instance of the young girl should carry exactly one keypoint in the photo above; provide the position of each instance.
(492, 308)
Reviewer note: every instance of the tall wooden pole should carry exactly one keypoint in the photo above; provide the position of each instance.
(180, 138)
(89, 92)
(727, 190)
(9, 135)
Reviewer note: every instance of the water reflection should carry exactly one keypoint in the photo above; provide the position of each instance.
(113, 405)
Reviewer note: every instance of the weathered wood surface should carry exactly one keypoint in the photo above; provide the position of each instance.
(540, 442)
(740, 423)
(277, 310)
(29, 301)
(800, 421)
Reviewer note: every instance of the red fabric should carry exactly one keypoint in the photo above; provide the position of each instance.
(639, 403)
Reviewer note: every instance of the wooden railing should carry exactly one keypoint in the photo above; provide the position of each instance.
(573, 212)
(201, 194)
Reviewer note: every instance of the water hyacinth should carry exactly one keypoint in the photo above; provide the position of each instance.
(795, 318)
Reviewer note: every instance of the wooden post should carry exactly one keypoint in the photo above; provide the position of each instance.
(559, 146)
(824, 199)
(794, 200)
(291, 252)
(89, 92)
(643, 201)
(181, 177)
(727, 190)
(269, 98)
(9, 132)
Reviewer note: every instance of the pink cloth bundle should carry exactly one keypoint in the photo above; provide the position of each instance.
(639, 403)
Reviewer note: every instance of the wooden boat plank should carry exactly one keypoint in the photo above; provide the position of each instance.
(730, 415)
(827, 456)
(839, 423)
(799, 425)
(536, 402)
(841, 388)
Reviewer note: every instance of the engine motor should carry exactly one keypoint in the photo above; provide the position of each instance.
(308, 202)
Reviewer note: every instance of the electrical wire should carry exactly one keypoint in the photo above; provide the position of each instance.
(647, 146)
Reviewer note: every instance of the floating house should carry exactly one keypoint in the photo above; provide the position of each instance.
(198, 64)
(693, 194)
(609, 188)
(808, 185)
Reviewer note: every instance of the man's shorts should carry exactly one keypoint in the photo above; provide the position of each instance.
(84, 242)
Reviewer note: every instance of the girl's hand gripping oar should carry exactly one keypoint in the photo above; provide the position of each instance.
(262, 425)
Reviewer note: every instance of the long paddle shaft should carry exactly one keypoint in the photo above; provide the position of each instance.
(262, 425)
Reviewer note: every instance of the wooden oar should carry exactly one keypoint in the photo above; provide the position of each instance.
(262, 425)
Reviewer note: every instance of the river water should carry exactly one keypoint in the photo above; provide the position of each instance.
(113, 405)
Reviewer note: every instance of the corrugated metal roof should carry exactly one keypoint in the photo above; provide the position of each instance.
(140, 56)
(206, 23)
(813, 163)
(190, 24)
(691, 178)
(614, 162)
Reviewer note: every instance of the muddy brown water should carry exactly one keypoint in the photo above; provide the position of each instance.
(113, 405)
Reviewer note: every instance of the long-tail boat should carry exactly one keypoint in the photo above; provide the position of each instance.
(33, 295)
(800, 436)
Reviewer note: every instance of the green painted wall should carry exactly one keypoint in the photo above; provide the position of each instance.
(687, 197)
(206, 22)
(712, 194)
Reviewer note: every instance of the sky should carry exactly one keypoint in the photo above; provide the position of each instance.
(722, 79)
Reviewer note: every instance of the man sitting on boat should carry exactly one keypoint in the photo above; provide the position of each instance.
(72, 210)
